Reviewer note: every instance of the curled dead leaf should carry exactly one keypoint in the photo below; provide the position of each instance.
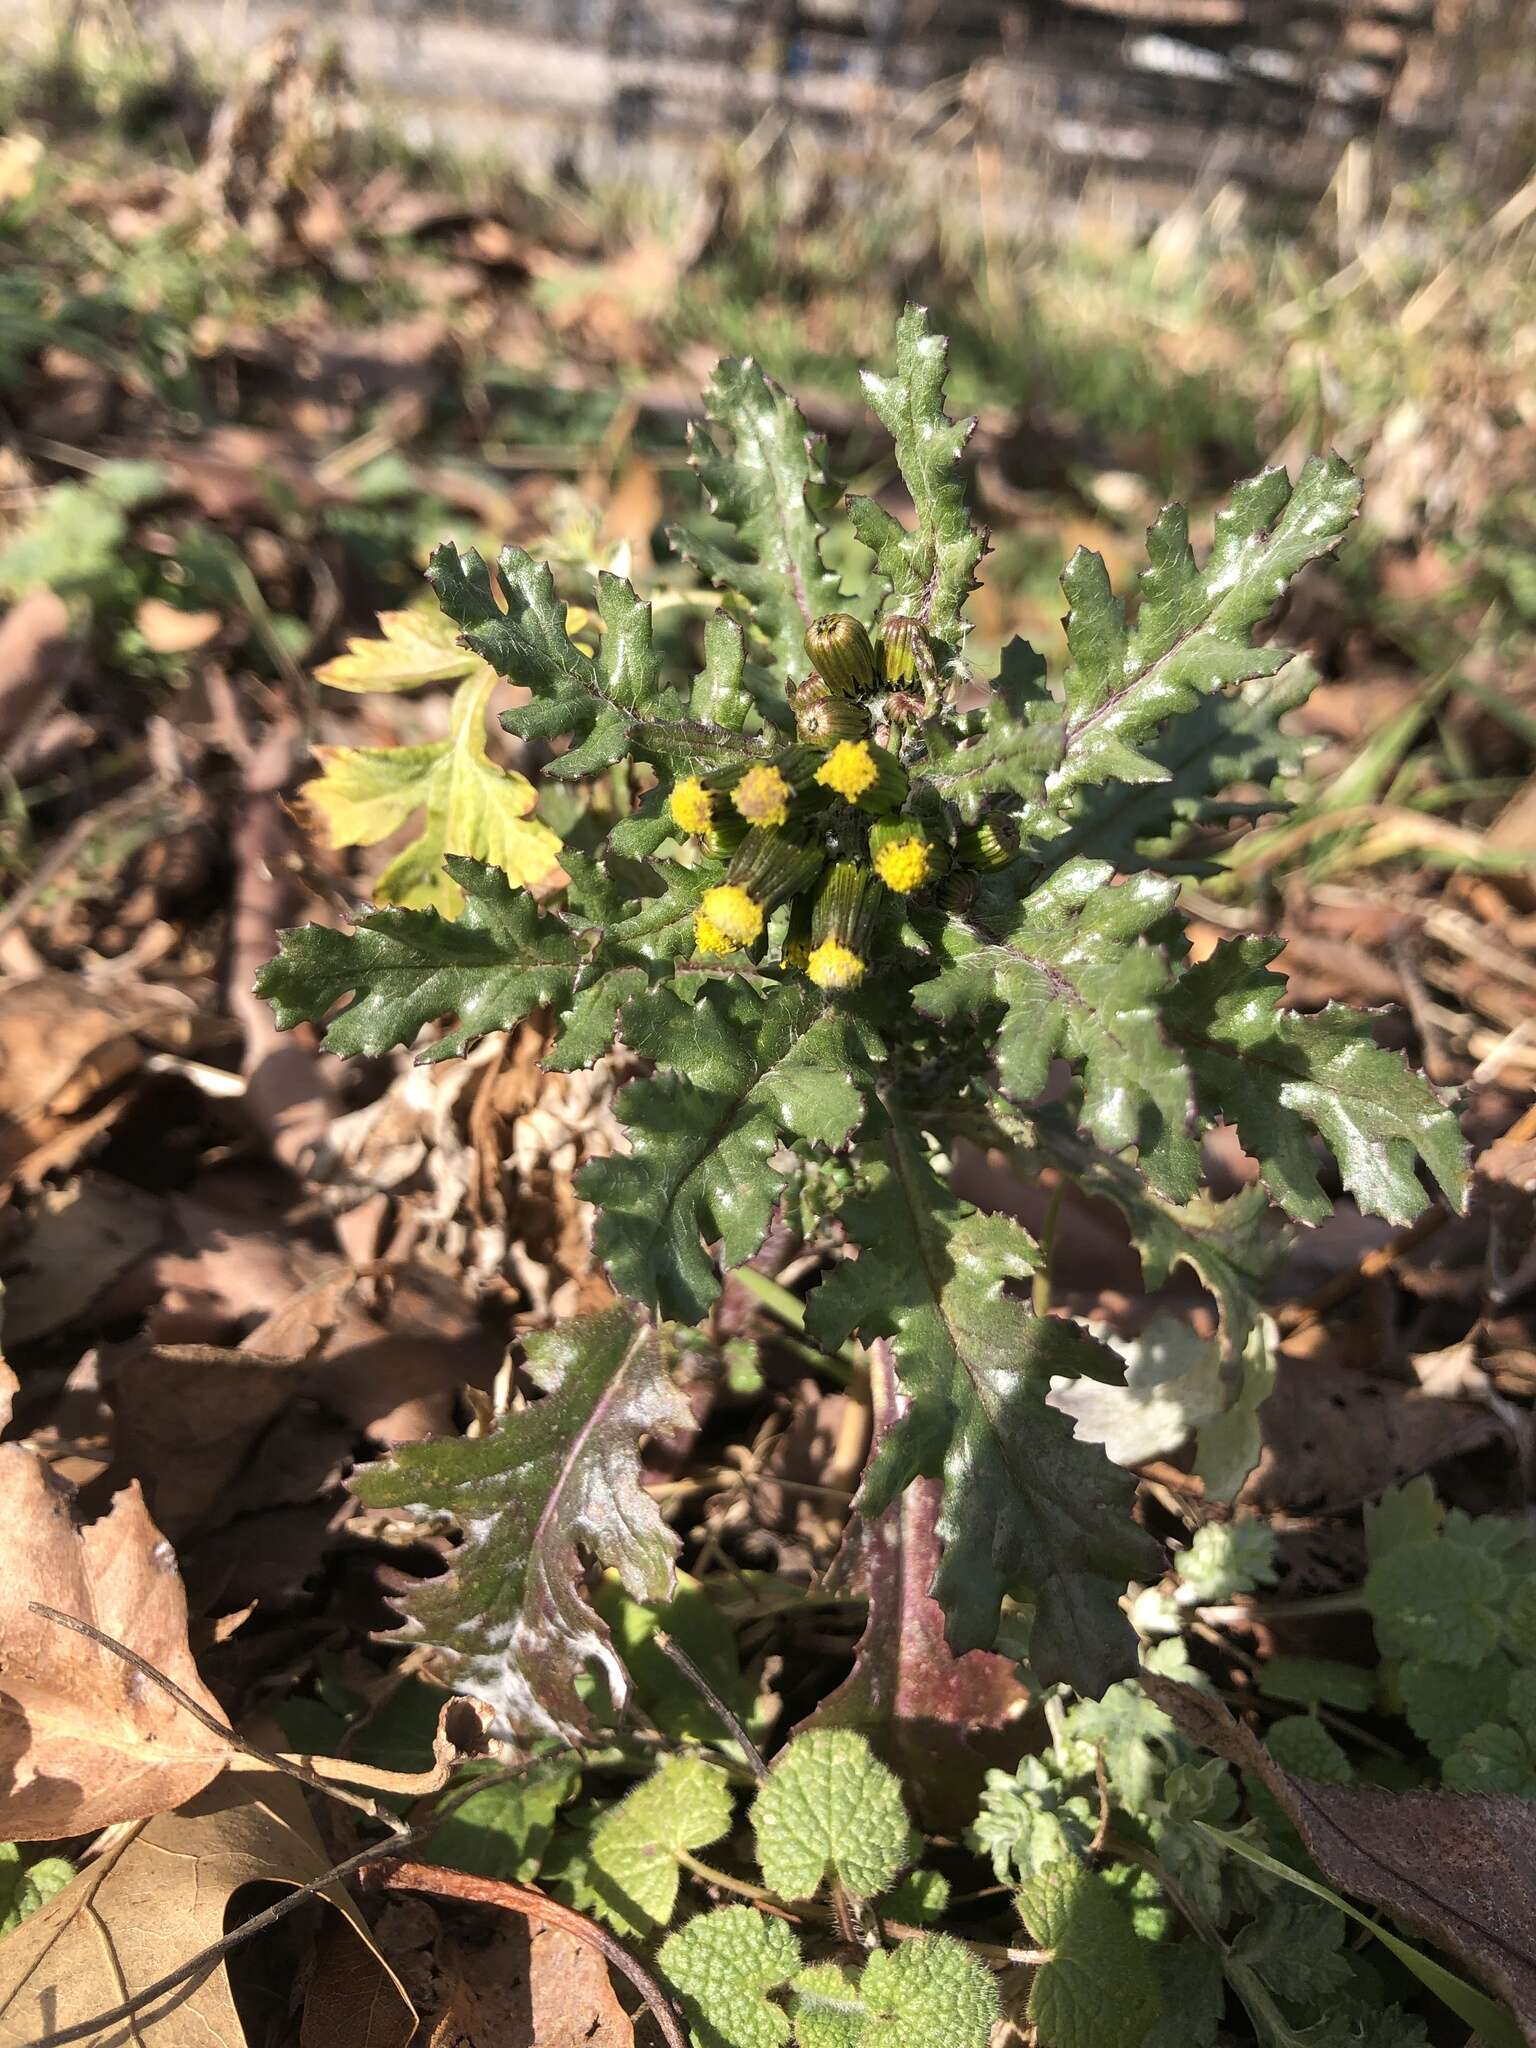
(85, 1740)
(1458, 1869)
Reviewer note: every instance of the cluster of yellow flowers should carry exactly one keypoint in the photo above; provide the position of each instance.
(820, 824)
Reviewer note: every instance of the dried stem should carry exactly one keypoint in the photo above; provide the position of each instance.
(671, 1648)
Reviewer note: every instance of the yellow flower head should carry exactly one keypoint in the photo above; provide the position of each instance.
(731, 912)
(849, 770)
(708, 937)
(834, 965)
(692, 806)
(762, 796)
(797, 953)
(904, 864)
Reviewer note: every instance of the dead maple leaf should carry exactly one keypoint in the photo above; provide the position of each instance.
(150, 1902)
(1456, 1868)
(85, 1740)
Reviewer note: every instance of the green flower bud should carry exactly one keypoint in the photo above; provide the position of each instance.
(903, 651)
(988, 844)
(770, 865)
(822, 717)
(725, 835)
(842, 653)
(957, 892)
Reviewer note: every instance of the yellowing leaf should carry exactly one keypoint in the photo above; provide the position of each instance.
(418, 647)
(471, 806)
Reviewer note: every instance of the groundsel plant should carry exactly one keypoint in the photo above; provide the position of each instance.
(860, 905)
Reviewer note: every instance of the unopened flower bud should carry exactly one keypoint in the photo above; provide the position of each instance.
(903, 651)
(958, 891)
(988, 844)
(822, 717)
(841, 652)
(766, 867)
(862, 773)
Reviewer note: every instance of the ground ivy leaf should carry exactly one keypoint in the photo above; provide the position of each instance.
(1074, 975)
(738, 1070)
(685, 1804)
(722, 1966)
(928, 1993)
(1300, 1744)
(552, 1486)
(1436, 1599)
(1025, 1508)
(830, 1809)
(504, 1831)
(1294, 1947)
(26, 1885)
(771, 491)
(406, 968)
(1228, 1558)
(470, 806)
(827, 2009)
(932, 569)
(1192, 632)
(1279, 1075)
(1099, 1990)
(1442, 1703)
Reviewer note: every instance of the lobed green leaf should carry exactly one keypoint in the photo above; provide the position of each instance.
(1025, 1508)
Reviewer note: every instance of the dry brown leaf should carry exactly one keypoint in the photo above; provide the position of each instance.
(152, 1901)
(167, 629)
(85, 1740)
(1334, 1437)
(530, 1987)
(59, 1051)
(77, 1241)
(35, 662)
(1457, 1868)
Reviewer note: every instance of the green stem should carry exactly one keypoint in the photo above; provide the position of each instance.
(707, 1874)
(843, 1365)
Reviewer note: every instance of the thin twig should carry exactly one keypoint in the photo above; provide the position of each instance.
(215, 1726)
(535, 1905)
(671, 1648)
(1101, 1779)
(1371, 1267)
